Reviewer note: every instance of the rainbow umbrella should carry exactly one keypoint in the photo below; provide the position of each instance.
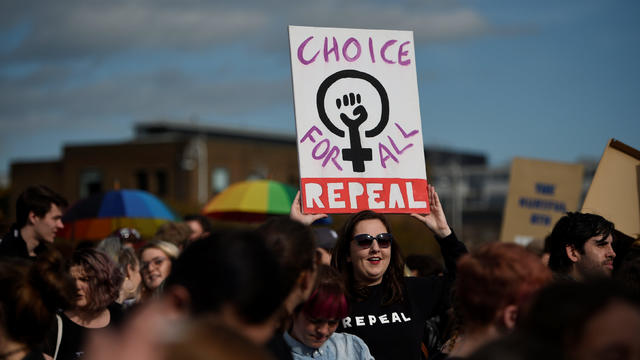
(95, 217)
(250, 201)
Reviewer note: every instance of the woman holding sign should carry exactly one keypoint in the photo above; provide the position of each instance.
(389, 311)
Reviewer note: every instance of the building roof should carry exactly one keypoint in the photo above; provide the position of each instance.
(165, 129)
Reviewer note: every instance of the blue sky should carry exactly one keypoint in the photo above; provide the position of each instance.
(552, 80)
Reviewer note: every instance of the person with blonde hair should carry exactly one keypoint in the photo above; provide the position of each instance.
(156, 260)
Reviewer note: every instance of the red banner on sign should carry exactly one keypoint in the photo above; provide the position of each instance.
(348, 195)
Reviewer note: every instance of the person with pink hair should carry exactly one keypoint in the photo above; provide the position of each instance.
(316, 320)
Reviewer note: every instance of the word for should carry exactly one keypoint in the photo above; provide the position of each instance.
(545, 189)
(539, 204)
(331, 195)
(351, 51)
(372, 319)
(325, 152)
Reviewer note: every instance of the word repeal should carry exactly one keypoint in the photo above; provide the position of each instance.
(370, 320)
(340, 195)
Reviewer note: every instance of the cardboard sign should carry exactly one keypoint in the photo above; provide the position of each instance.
(358, 122)
(540, 193)
(615, 190)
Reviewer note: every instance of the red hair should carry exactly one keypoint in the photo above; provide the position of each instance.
(494, 276)
(328, 300)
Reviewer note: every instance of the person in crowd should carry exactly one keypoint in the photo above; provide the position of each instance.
(515, 346)
(176, 233)
(325, 241)
(128, 237)
(596, 319)
(233, 277)
(30, 293)
(207, 338)
(156, 258)
(97, 281)
(494, 285)
(580, 247)
(200, 226)
(131, 285)
(110, 246)
(293, 245)
(124, 237)
(38, 219)
(388, 310)
(427, 266)
(629, 271)
(422, 265)
(231, 280)
(125, 257)
(315, 321)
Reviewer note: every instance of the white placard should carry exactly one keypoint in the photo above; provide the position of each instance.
(358, 122)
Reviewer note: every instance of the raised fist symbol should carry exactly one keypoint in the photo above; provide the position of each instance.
(352, 101)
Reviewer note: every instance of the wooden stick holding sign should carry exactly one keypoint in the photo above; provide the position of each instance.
(358, 124)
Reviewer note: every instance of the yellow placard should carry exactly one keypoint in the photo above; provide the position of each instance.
(540, 192)
(615, 190)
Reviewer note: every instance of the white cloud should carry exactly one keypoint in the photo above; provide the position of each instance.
(80, 29)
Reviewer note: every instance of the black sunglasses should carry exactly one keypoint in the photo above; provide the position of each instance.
(365, 240)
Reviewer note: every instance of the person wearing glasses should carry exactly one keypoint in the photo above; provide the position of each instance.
(389, 311)
(156, 258)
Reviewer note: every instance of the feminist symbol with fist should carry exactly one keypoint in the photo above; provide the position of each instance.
(353, 114)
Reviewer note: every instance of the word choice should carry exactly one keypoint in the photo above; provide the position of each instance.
(336, 195)
(351, 50)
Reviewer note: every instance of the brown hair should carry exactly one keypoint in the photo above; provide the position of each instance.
(392, 278)
(105, 277)
(31, 293)
(176, 233)
(36, 198)
(496, 275)
(293, 246)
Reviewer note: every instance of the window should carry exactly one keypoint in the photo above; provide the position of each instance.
(142, 180)
(219, 179)
(90, 183)
(161, 180)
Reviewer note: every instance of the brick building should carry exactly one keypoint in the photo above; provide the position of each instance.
(186, 164)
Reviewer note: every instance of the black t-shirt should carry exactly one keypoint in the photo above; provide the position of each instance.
(74, 336)
(396, 331)
(12, 245)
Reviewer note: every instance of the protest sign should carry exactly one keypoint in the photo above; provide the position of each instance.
(358, 125)
(615, 189)
(540, 193)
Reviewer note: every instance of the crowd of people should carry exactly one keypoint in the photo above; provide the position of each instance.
(289, 290)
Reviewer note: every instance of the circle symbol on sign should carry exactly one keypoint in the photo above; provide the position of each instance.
(356, 153)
